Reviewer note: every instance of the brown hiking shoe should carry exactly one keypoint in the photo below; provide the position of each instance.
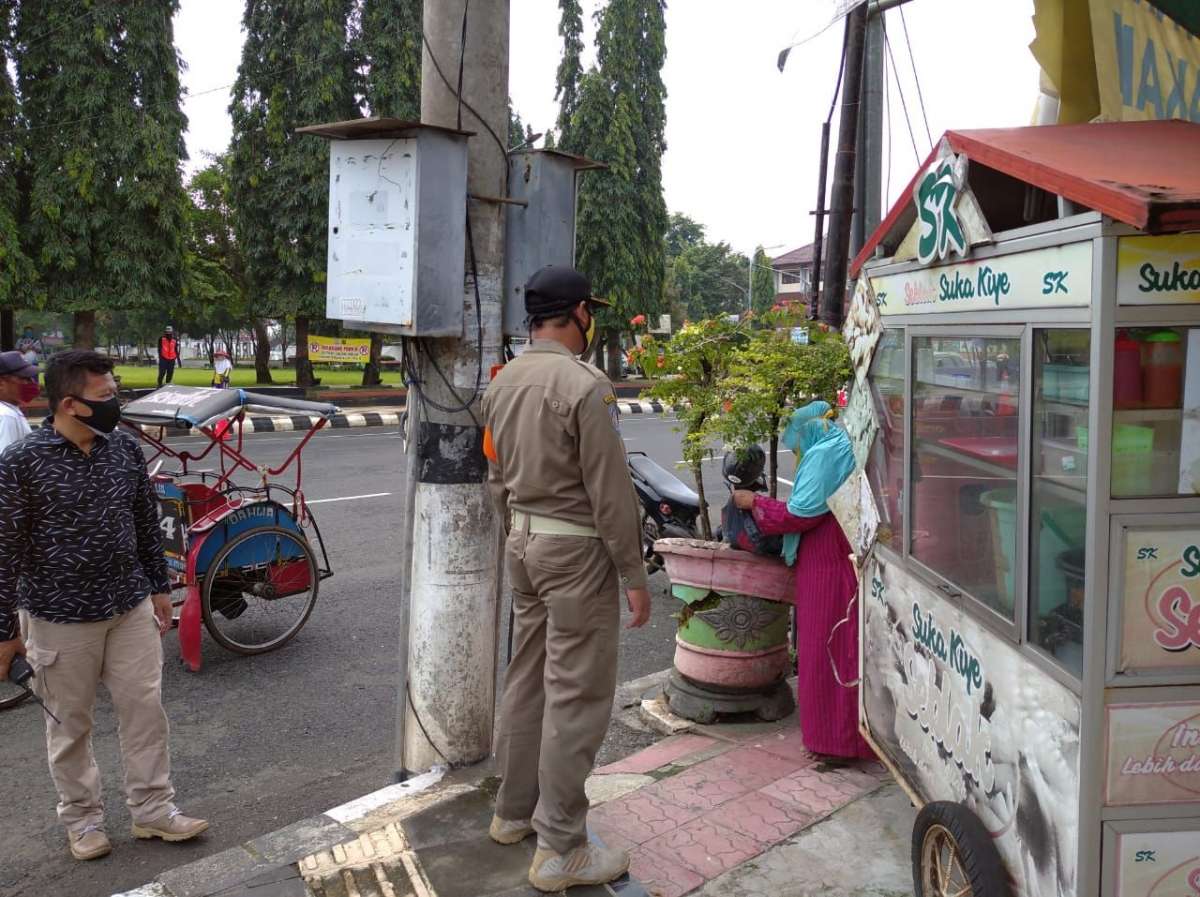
(588, 864)
(172, 827)
(90, 843)
(509, 831)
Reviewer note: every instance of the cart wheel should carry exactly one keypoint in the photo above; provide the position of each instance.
(954, 856)
(259, 590)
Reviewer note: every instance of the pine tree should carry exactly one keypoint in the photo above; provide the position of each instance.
(570, 71)
(104, 140)
(297, 69)
(388, 45)
(762, 282)
(621, 120)
(16, 271)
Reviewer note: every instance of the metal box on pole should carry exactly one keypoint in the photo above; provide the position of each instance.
(539, 228)
(397, 226)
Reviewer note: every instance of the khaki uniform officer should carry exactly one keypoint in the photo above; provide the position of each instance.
(558, 467)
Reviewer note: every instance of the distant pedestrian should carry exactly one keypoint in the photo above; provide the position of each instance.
(557, 463)
(168, 355)
(82, 554)
(222, 369)
(18, 387)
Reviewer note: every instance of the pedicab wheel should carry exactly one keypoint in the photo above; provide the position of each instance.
(954, 856)
(259, 590)
(11, 695)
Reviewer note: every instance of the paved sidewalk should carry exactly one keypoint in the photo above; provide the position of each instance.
(729, 810)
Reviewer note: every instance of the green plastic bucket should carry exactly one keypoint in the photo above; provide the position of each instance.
(1003, 505)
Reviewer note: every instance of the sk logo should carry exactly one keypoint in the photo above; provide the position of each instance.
(936, 197)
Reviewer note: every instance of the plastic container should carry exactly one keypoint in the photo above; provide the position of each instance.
(1162, 369)
(1065, 382)
(1070, 562)
(1127, 372)
(1003, 505)
(1132, 460)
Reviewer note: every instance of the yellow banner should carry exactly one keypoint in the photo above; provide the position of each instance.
(1119, 60)
(336, 349)
(1147, 67)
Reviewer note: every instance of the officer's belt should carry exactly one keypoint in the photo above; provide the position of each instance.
(537, 525)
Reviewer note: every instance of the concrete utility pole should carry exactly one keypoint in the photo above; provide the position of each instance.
(833, 287)
(447, 709)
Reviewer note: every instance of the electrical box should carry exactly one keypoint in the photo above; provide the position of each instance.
(397, 226)
(540, 229)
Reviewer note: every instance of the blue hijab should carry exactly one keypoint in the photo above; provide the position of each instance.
(825, 461)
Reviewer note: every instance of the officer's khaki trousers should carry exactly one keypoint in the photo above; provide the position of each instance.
(70, 660)
(559, 689)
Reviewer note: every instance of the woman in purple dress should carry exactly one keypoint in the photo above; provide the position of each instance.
(826, 584)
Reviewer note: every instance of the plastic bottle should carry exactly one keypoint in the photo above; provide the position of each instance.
(1127, 372)
(1162, 369)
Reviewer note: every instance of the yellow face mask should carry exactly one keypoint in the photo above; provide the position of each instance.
(590, 335)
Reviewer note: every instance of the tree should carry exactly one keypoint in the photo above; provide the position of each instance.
(16, 270)
(103, 142)
(297, 68)
(771, 373)
(570, 71)
(682, 232)
(214, 296)
(619, 118)
(388, 46)
(689, 370)
(762, 283)
(709, 279)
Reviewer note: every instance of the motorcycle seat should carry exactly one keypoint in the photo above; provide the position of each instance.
(662, 481)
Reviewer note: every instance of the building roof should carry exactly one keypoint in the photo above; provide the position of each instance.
(1145, 174)
(794, 257)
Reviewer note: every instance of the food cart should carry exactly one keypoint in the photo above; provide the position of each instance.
(1025, 330)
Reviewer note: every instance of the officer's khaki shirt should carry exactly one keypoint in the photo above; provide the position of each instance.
(553, 421)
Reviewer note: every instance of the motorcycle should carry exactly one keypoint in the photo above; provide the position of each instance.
(670, 509)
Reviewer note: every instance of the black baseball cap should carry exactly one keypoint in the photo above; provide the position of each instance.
(11, 363)
(557, 288)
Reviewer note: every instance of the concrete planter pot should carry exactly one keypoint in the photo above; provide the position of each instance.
(731, 648)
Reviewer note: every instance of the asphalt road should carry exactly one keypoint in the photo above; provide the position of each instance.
(259, 742)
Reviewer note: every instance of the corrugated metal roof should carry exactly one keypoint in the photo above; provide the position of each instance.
(1145, 174)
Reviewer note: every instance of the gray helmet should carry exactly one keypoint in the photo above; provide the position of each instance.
(744, 466)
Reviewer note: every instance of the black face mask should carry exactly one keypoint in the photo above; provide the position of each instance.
(105, 415)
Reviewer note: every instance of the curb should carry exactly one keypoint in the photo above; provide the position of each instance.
(287, 422)
(273, 857)
(642, 407)
(284, 423)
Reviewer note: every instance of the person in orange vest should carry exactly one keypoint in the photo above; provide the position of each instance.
(168, 355)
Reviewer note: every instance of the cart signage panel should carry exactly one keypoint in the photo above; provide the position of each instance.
(1158, 864)
(1153, 753)
(964, 718)
(1058, 276)
(1160, 600)
(1161, 270)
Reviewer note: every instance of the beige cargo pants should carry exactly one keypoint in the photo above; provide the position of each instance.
(70, 660)
(559, 688)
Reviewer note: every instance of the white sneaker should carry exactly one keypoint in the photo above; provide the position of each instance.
(588, 864)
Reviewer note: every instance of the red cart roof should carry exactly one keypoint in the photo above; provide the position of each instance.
(1145, 173)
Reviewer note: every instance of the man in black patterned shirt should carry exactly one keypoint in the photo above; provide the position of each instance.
(81, 553)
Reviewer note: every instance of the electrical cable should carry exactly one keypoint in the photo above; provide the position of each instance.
(421, 725)
(916, 78)
(462, 58)
(887, 112)
(458, 95)
(903, 103)
(837, 88)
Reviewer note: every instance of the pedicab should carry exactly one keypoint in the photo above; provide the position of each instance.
(1025, 331)
(240, 557)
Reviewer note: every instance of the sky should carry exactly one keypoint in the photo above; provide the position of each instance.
(743, 140)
